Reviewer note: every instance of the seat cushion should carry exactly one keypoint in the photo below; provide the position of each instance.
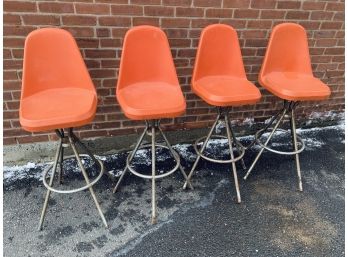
(226, 90)
(151, 100)
(58, 108)
(295, 86)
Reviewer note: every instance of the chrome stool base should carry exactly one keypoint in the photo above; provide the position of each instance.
(151, 129)
(289, 108)
(72, 140)
(223, 114)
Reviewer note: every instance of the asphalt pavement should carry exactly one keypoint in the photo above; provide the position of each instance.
(274, 218)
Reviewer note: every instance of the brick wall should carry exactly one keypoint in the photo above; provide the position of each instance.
(100, 25)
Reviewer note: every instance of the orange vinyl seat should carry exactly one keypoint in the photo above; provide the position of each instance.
(57, 91)
(219, 76)
(286, 70)
(148, 87)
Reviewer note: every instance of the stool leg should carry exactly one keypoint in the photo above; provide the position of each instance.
(54, 168)
(268, 139)
(235, 141)
(131, 158)
(201, 151)
(173, 153)
(60, 172)
(87, 180)
(294, 139)
(153, 153)
(90, 154)
(234, 170)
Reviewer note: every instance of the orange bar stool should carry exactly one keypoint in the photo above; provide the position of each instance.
(287, 73)
(219, 79)
(148, 90)
(58, 94)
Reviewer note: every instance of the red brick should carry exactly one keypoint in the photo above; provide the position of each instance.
(321, 15)
(177, 2)
(189, 12)
(127, 10)
(79, 20)
(146, 2)
(12, 19)
(145, 21)
(103, 32)
(331, 25)
(80, 31)
(114, 21)
(259, 24)
(218, 13)
(175, 23)
(327, 42)
(35, 19)
(100, 53)
(289, 4)
(54, 7)
(246, 14)
(207, 3)
(158, 11)
(263, 4)
(93, 8)
(335, 6)
(297, 15)
(272, 14)
(236, 3)
(19, 6)
(312, 5)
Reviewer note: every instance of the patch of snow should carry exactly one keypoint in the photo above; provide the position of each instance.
(216, 148)
(220, 126)
(248, 121)
(183, 150)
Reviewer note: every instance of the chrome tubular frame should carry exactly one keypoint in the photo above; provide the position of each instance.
(152, 127)
(223, 115)
(65, 141)
(288, 109)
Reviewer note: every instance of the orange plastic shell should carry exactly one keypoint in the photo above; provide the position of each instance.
(147, 86)
(219, 76)
(286, 70)
(57, 91)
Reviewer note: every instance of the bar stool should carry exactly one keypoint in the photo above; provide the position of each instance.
(219, 79)
(287, 73)
(57, 94)
(148, 90)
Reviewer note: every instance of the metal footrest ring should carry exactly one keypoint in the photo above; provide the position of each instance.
(77, 189)
(259, 133)
(239, 146)
(167, 173)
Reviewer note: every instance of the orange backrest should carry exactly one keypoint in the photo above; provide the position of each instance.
(287, 51)
(52, 60)
(218, 53)
(146, 57)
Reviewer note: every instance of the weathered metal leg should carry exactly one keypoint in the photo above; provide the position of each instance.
(173, 153)
(43, 213)
(201, 151)
(87, 180)
(60, 172)
(297, 157)
(131, 158)
(60, 134)
(268, 139)
(235, 141)
(153, 164)
(234, 170)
